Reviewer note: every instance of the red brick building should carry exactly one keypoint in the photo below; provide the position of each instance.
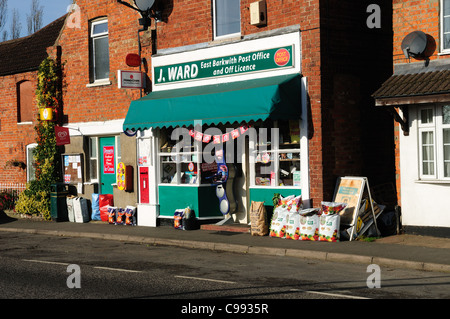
(417, 94)
(336, 60)
(20, 60)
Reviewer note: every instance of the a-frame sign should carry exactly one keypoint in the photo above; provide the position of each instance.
(350, 190)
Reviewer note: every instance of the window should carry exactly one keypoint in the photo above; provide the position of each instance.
(99, 59)
(93, 159)
(434, 142)
(179, 158)
(276, 154)
(445, 26)
(31, 163)
(226, 18)
(24, 102)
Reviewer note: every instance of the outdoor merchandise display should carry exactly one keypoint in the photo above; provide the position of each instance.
(121, 216)
(184, 219)
(285, 206)
(95, 205)
(258, 219)
(290, 221)
(80, 210)
(104, 201)
(309, 224)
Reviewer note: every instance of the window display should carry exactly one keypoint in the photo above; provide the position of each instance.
(179, 159)
(276, 154)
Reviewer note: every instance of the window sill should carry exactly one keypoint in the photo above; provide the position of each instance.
(432, 181)
(99, 83)
(24, 123)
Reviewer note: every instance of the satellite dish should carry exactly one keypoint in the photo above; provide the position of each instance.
(418, 45)
(144, 5)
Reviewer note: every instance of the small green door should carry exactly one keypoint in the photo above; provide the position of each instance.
(107, 152)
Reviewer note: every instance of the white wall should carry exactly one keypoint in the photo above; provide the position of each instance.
(423, 203)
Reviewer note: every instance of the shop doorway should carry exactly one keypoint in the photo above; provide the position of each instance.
(107, 150)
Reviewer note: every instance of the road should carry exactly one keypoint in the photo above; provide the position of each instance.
(52, 267)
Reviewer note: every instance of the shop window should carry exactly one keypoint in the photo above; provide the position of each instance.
(24, 102)
(276, 154)
(226, 18)
(99, 51)
(31, 162)
(179, 157)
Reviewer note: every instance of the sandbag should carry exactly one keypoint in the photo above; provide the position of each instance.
(111, 213)
(330, 221)
(95, 205)
(329, 228)
(293, 226)
(178, 219)
(120, 216)
(105, 200)
(130, 215)
(258, 219)
(279, 222)
(309, 226)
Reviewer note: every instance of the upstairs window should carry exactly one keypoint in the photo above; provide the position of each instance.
(445, 26)
(24, 102)
(226, 18)
(99, 57)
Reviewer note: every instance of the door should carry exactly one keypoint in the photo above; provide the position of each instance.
(107, 150)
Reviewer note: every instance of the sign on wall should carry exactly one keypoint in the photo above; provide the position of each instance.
(249, 62)
(108, 160)
(130, 79)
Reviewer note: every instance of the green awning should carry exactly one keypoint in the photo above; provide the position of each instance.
(269, 98)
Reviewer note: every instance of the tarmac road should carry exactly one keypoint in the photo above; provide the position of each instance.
(35, 266)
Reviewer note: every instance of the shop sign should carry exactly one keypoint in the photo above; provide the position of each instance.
(130, 79)
(62, 135)
(108, 160)
(256, 61)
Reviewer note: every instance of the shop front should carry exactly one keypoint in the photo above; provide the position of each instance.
(224, 126)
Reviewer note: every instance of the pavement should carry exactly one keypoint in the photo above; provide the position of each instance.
(398, 251)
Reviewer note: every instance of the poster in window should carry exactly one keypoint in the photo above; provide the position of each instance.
(108, 160)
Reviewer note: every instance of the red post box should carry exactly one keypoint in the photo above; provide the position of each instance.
(144, 185)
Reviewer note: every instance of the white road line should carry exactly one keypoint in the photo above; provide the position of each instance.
(329, 294)
(117, 269)
(46, 262)
(206, 279)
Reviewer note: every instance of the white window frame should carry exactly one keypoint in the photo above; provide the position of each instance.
(97, 158)
(437, 128)
(117, 155)
(441, 28)
(274, 150)
(93, 37)
(225, 36)
(30, 161)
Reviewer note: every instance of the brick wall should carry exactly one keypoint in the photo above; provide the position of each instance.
(415, 15)
(338, 59)
(14, 136)
(99, 103)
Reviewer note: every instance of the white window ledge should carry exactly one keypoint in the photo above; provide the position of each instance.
(99, 83)
(432, 181)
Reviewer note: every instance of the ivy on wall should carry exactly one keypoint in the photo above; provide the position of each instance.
(35, 200)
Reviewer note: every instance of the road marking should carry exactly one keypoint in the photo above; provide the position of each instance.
(117, 269)
(46, 262)
(329, 294)
(206, 279)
